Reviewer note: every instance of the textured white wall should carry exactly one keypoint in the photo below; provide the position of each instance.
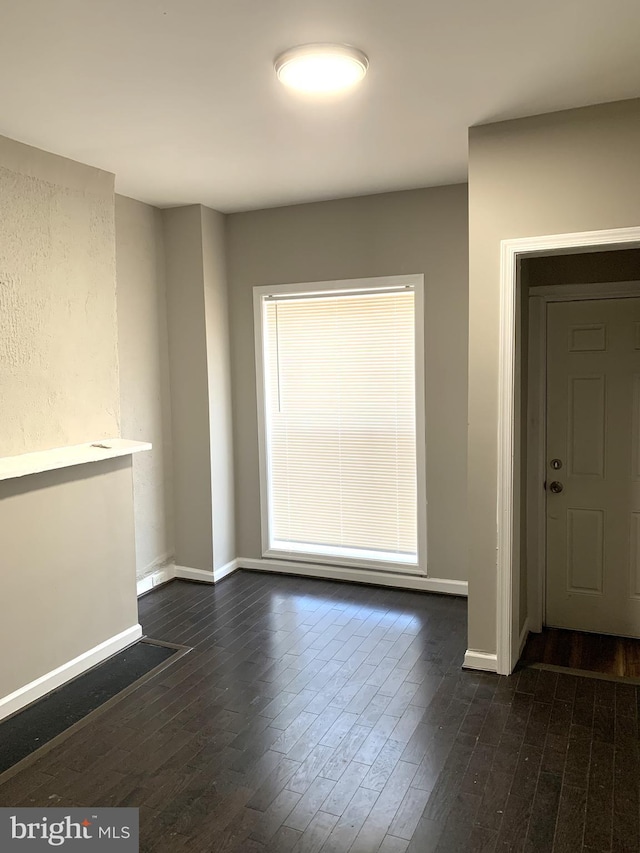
(144, 375)
(68, 533)
(58, 334)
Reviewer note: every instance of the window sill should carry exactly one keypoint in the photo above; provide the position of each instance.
(395, 567)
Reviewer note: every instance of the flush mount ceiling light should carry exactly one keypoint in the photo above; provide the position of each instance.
(321, 68)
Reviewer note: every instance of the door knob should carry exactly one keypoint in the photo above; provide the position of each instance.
(556, 487)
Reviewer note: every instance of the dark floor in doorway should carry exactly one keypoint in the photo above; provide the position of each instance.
(578, 650)
(23, 733)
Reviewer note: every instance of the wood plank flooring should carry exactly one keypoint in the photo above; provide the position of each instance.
(319, 717)
(601, 653)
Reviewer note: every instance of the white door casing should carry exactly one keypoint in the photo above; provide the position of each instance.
(593, 428)
(509, 515)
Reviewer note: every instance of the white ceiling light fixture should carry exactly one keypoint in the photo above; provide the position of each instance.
(321, 68)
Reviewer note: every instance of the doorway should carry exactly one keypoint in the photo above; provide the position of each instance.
(534, 268)
(580, 440)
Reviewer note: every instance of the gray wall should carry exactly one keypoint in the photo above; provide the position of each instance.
(199, 364)
(421, 231)
(577, 170)
(58, 333)
(68, 566)
(193, 511)
(219, 386)
(144, 375)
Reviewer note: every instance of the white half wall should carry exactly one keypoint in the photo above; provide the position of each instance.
(68, 574)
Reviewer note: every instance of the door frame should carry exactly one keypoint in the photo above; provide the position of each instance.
(536, 534)
(509, 637)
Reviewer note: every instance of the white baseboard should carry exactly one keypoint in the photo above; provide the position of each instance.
(167, 573)
(315, 570)
(59, 676)
(488, 662)
(223, 571)
(187, 574)
(164, 574)
(369, 576)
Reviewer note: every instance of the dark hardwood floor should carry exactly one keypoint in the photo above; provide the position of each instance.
(601, 653)
(320, 717)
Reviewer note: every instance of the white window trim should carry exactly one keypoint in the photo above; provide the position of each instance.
(416, 283)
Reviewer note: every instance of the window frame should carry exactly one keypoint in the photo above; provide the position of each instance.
(416, 283)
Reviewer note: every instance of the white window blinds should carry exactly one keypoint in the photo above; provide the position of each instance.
(340, 416)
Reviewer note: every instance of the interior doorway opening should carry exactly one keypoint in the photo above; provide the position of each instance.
(536, 272)
(577, 357)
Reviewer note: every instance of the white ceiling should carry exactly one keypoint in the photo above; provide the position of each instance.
(179, 98)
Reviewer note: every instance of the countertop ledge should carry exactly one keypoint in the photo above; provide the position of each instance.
(64, 457)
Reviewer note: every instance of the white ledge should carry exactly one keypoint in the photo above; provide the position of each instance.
(64, 457)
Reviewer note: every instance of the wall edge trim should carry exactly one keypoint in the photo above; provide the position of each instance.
(205, 576)
(38, 688)
(524, 635)
(484, 661)
(228, 569)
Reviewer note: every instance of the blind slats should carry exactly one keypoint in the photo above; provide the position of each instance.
(341, 427)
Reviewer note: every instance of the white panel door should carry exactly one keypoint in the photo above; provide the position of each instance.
(593, 433)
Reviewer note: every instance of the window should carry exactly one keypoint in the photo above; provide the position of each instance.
(339, 368)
